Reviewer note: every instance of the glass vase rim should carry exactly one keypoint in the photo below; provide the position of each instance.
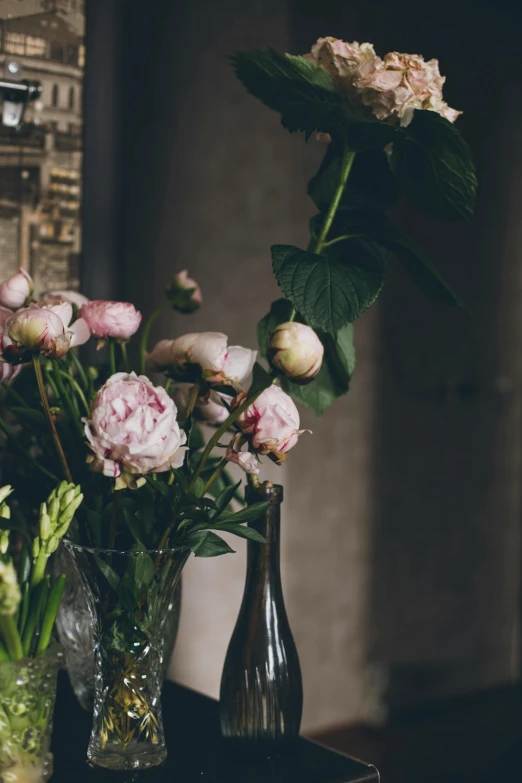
(54, 651)
(96, 550)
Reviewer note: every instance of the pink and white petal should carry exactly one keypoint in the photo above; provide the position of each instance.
(79, 332)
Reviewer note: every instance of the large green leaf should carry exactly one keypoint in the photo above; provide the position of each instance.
(371, 183)
(333, 379)
(421, 270)
(204, 543)
(434, 165)
(280, 312)
(242, 531)
(261, 379)
(304, 94)
(330, 291)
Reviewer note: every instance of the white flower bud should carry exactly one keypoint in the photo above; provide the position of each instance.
(10, 595)
(296, 351)
(5, 491)
(35, 550)
(4, 542)
(5, 511)
(45, 526)
(52, 545)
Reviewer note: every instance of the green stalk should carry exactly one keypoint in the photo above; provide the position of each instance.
(24, 608)
(74, 383)
(112, 356)
(39, 598)
(193, 398)
(11, 637)
(124, 356)
(346, 166)
(39, 567)
(146, 332)
(43, 394)
(81, 372)
(18, 397)
(49, 617)
(4, 655)
(214, 440)
(65, 398)
(216, 474)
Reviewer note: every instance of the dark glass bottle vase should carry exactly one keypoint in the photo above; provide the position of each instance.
(261, 699)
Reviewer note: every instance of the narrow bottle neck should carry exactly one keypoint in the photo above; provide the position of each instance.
(263, 561)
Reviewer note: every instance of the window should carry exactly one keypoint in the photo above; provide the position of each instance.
(71, 97)
(54, 95)
(35, 47)
(56, 52)
(15, 43)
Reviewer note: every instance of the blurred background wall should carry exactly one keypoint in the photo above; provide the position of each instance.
(402, 515)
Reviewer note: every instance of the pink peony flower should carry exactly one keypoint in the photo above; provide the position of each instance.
(16, 289)
(119, 320)
(245, 459)
(40, 330)
(8, 372)
(184, 293)
(272, 421)
(133, 428)
(394, 87)
(205, 354)
(209, 408)
(74, 297)
(340, 59)
(295, 350)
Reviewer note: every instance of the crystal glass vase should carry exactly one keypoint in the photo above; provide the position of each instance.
(128, 595)
(27, 696)
(74, 627)
(261, 698)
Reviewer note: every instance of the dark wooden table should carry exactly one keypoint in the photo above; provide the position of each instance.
(196, 750)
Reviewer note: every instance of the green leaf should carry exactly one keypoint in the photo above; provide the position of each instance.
(261, 379)
(224, 498)
(375, 226)
(204, 543)
(333, 379)
(247, 514)
(196, 440)
(330, 291)
(434, 165)
(280, 312)
(371, 183)
(110, 575)
(241, 531)
(304, 94)
(29, 415)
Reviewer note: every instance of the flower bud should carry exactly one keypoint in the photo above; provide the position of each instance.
(62, 487)
(119, 320)
(35, 549)
(5, 511)
(67, 498)
(10, 595)
(4, 542)
(52, 545)
(16, 289)
(184, 294)
(54, 508)
(296, 351)
(45, 526)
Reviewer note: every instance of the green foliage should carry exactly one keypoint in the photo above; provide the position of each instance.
(302, 93)
(261, 379)
(434, 166)
(280, 312)
(330, 290)
(333, 379)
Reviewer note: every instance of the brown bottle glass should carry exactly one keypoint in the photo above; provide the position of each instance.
(261, 698)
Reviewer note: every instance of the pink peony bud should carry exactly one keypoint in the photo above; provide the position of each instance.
(184, 293)
(119, 320)
(74, 297)
(133, 428)
(202, 354)
(16, 289)
(296, 351)
(245, 459)
(40, 330)
(272, 421)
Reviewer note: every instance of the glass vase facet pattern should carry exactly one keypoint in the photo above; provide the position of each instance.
(128, 594)
(75, 630)
(261, 698)
(27, 696)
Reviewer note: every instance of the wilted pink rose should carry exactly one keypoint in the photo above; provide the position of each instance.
(133, 428)
(205, 354)
(295, 350)
(40, 330)
(74, 297)
(399, 84)
(245, 459)
(272, 421)
(16, 289)
(184, 293)
(209, 408)
(119, 320)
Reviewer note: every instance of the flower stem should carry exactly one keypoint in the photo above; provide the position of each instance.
(193, 398)
(214, 440)
(216, 474)
(347, 160)
(49, 617)
(146, 332)
(65, 398)
(74, 383)
(112, 356)
(11, 637)
(125, 356)
(81, 372)
(45, 402)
